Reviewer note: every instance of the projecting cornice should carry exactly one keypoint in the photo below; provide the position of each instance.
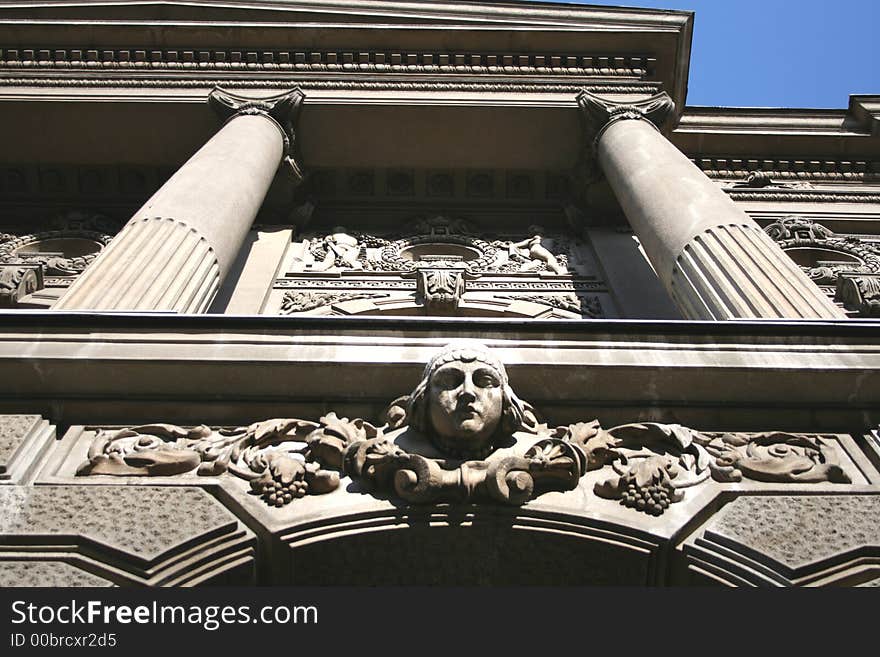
(487, 41)
(862, 117)
(352, 11)
(866, 110)
(809, 136)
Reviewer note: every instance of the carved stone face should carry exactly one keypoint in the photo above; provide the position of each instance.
(465, 404)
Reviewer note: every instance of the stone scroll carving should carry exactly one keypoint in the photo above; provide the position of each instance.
(463, 435)
(859, 293)
(297, 301)
(17, 281)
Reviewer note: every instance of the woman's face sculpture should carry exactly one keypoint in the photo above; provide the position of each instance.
(465, 403)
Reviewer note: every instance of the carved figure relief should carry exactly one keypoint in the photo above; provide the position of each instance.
(435, 241)
(585, 306)
(859, 293)
(442, 256)
(463, 435)
(340, 249)
(531, 252)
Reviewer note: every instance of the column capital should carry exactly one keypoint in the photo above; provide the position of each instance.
(282, 109)
(600, 113)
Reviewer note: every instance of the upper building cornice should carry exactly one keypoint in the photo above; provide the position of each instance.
(783, 132)
(550, 43)
(413, 11)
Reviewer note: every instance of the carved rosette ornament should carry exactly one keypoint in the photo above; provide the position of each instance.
(463, 435)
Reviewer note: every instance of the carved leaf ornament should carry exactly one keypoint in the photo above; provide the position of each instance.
(649, 466)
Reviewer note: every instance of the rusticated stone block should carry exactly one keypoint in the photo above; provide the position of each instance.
(23, 441)
(791, 540)
(799, 531)
(145, 522)
(13, 430)
(146, 534)
(47, 574)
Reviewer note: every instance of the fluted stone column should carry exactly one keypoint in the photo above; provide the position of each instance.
(176, 250)
(713, 259)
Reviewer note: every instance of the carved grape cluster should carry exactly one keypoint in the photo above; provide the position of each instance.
(653, 499)
(277, 493)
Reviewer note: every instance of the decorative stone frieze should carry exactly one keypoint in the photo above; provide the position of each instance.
(52, 257)
(68, 245)
(791, 171)
(584, 305)
(210, 61)
(464, 435)
(304, 300)
(435, 264)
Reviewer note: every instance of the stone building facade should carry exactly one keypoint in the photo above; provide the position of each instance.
(388, 292)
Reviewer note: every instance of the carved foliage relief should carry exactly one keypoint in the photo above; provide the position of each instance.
(463, 435)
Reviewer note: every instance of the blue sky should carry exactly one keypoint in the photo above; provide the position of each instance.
(778, 53)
